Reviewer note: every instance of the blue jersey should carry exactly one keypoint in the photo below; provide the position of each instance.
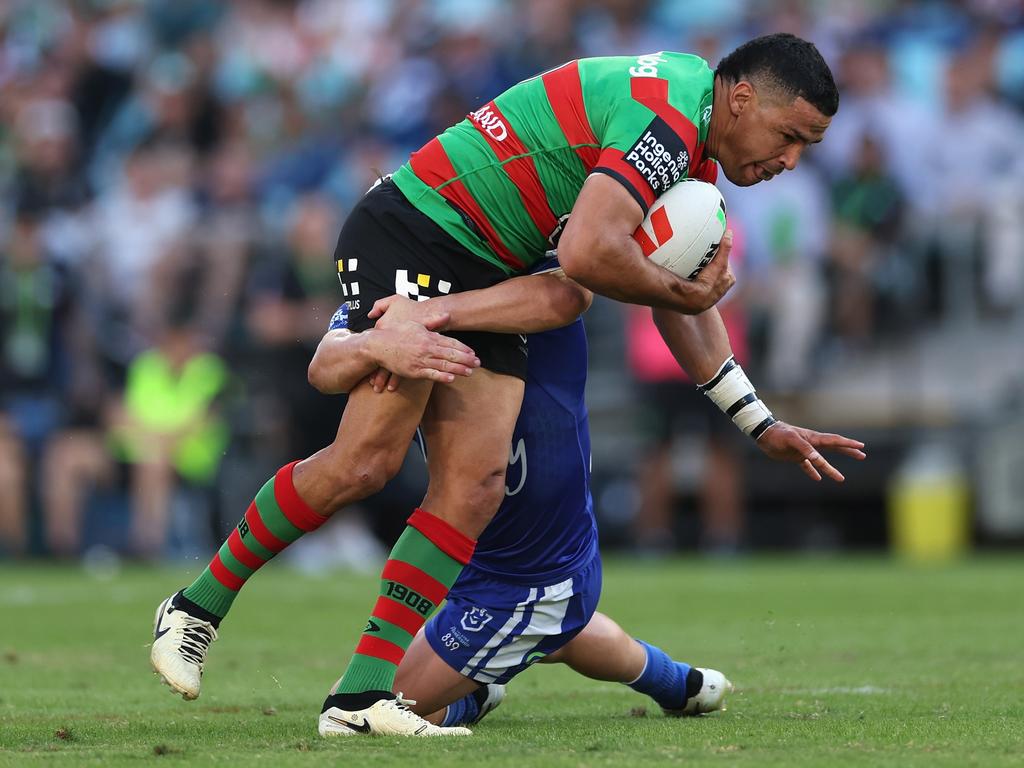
(545, 529)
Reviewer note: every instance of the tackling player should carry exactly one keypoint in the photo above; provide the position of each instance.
(601, 138)
(531, 589)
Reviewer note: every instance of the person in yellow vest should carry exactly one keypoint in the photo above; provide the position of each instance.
(169, 428)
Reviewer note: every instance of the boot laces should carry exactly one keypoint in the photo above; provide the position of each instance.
(196, 637)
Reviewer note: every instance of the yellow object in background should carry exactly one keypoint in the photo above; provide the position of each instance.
(929, 506)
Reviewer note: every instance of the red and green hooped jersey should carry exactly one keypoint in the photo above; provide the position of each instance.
(502, 181)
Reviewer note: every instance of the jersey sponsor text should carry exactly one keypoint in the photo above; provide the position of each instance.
(659, 156)
(647, 65)
(490, 122)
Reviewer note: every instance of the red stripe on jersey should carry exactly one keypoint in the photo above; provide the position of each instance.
(298, 512)
(398, 614)
(611, 159)
(522, 172)
(647, 245)
(379, 648)
(417, 580)
(242, 553)
(652, 92)
(431, 164)
(662, 226)
(223, 575)
(261, 532)
(565, 93)
(649, 88)
(457, 545)
(433, 167)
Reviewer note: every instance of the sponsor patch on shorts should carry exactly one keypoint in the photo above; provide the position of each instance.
(339, 319)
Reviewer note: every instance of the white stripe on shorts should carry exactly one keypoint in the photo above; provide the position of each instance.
(546, 620)
(501, 634)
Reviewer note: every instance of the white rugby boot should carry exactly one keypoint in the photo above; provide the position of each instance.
(488, 698)
(710, 697)
(386, 717)
(180, 643)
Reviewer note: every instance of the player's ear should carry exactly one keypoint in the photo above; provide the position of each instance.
(741, 96)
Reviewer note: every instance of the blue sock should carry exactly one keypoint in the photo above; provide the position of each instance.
(462, 712)
(663, 679)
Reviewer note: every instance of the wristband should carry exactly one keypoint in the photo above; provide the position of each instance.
(732, 392)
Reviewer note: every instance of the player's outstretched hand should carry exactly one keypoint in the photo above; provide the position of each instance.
(784, 442)
(716, 278)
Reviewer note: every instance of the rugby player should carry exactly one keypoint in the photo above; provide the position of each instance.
(599, 138)
(531, 589)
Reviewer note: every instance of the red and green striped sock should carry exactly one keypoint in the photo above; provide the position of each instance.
(276, 518)
(423, 565)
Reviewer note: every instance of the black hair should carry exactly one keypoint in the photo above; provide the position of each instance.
(784, 61)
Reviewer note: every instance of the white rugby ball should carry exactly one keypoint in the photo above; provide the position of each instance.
(684, 227)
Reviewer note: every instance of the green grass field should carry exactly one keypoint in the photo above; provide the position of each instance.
(837, 662)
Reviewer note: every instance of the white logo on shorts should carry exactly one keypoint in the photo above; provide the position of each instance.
(419, 288)
(474, 619)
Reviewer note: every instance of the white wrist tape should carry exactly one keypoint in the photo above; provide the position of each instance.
(731, 390)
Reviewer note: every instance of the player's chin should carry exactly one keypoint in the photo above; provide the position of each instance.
(746, 176)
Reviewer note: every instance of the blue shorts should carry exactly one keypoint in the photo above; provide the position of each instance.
(490, 630)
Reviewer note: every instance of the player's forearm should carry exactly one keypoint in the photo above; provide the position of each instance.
(699, 343)
(528, 304)
(617, 269)
(701, 346)
(341, 361)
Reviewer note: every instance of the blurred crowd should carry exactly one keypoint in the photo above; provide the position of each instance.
(173, 174)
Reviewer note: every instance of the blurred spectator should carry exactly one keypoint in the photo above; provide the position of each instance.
(169, 428)
(50, 392)
(48, 176)
(871, 104)
(988, 169)
(787, 224)
(13, 504)
(174, 106)
(868, 206)
(141, 229)
(292, 299)
(671, 408)
(229, 229)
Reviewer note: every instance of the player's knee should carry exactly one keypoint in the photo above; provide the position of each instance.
(369, 476)
(483, 497)
(367, 473)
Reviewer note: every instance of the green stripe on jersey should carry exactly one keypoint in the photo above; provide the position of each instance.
(560, 169)
(495, 193)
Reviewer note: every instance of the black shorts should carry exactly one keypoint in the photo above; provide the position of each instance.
(388, 246)
(669, 408)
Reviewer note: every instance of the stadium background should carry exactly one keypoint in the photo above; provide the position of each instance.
(172, 178)
(173, 175)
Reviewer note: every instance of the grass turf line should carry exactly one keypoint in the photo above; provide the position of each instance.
(837, 662)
